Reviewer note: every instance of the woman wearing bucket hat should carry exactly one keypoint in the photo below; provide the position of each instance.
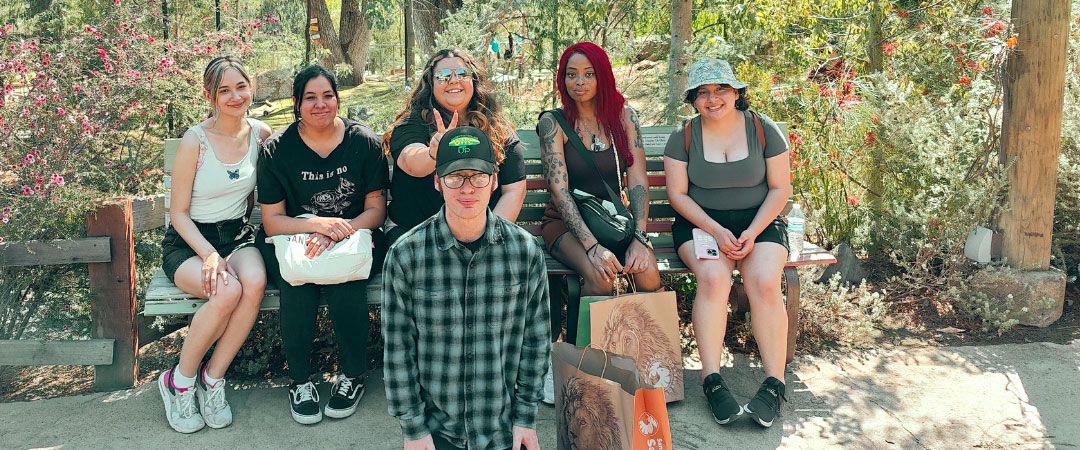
(728, 175)
(599, 116)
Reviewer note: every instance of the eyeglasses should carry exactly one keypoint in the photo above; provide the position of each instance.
(477, 180)
(442, 76)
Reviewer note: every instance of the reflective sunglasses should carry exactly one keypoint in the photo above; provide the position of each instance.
(442, 76)
(477, 180)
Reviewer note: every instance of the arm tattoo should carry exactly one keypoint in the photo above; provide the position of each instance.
(639, 201)
(637, 130)
(556, 173)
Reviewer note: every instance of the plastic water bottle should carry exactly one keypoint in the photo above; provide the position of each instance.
(796, 228)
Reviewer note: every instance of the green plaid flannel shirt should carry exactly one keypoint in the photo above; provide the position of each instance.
(466, 335)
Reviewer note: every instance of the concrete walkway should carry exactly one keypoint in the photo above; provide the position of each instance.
(1005, 396)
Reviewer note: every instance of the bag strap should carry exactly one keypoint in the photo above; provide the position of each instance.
(760, 130)
(688, 131)
(602, 372)
(575, 141)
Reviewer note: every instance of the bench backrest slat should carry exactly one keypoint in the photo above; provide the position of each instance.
(655, 138)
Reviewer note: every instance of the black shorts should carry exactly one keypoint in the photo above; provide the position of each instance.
(226, 236)
(735, 220)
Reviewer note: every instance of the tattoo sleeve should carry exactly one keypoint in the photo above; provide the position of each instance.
(638, 193)
(556, 173)
(637, 131)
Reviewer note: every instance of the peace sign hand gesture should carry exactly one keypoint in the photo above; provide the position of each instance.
(433, 145)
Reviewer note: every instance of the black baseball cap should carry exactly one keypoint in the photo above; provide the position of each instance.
(465, 148)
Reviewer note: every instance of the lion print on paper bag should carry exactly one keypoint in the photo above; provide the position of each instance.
(631, 331)
(588, 416)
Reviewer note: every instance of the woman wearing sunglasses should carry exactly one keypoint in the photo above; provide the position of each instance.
(452, 91)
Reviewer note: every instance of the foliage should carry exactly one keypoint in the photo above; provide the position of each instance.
(835, 313)
(84, 109)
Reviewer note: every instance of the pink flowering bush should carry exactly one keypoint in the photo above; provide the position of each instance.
(83, 112)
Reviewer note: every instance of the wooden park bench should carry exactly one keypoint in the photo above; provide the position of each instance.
(661, 217)
(164, 298)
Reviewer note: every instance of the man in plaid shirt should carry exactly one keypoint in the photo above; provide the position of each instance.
(465, 315)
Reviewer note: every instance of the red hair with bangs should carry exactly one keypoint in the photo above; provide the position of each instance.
(609, 101)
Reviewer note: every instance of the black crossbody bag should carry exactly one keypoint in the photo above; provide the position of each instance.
(614, 232)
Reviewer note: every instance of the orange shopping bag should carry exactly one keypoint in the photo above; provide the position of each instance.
(651, 428)
(601, 403)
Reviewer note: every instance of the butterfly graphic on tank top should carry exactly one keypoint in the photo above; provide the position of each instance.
(233, 174)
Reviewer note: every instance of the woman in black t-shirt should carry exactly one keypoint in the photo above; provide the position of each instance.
(453, 87)
(335, 169)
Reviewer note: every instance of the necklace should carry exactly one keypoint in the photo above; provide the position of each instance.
(596, 145)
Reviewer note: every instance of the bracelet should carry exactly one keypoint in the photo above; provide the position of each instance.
(591, 248)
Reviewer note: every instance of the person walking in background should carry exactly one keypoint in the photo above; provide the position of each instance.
(728, 177)
(207, 250)
(465, 316)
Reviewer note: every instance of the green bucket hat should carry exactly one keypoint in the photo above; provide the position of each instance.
(711, 71)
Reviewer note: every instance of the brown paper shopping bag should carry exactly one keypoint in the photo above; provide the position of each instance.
(601, 403)
(645, 327)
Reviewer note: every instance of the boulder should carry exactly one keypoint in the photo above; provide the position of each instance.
(1034, 298)
(847, 265)
(274, 84)
(651, 47)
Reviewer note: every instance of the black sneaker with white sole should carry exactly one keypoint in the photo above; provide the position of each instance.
(723, 406)
(345, 394)
(304, 400)
(765, 405)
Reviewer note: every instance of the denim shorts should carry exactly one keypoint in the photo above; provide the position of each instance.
(226, 236)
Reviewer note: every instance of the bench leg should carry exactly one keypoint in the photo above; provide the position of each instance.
(791, 275)
(573, 305)
(556, 298)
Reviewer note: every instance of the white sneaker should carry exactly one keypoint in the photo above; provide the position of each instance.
(179, 405)
(216, 412)
(549, 387)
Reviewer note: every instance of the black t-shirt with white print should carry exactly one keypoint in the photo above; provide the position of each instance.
(334, 186)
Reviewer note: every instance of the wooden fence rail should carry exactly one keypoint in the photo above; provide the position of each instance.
(109, 252)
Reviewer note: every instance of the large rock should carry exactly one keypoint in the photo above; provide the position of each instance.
(651, 47)
(1034, 298)
(847, 265)
(274, 84)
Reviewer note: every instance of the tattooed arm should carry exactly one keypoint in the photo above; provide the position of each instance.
(638, 256)
(637, 179)
(551, 154)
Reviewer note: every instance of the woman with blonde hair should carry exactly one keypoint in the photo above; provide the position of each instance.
(207, 250)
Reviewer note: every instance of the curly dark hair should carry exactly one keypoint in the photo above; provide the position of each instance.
(484, 111)
(741, 104)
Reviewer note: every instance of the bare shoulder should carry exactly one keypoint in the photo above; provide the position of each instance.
(264, 130)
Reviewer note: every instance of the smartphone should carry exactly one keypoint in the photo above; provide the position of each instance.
(705, 245)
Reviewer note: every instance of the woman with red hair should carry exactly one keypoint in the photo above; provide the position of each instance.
(609, 129)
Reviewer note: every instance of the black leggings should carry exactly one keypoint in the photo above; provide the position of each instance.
(348, 308)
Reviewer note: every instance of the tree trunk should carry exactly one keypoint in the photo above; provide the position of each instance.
(353, 45)
(1031, 129)
(427, 20)
(681, 28)
(328, 37)
(356, 37)
(410, 42)
(38, 7)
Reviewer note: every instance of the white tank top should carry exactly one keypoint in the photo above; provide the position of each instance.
(220, 190)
